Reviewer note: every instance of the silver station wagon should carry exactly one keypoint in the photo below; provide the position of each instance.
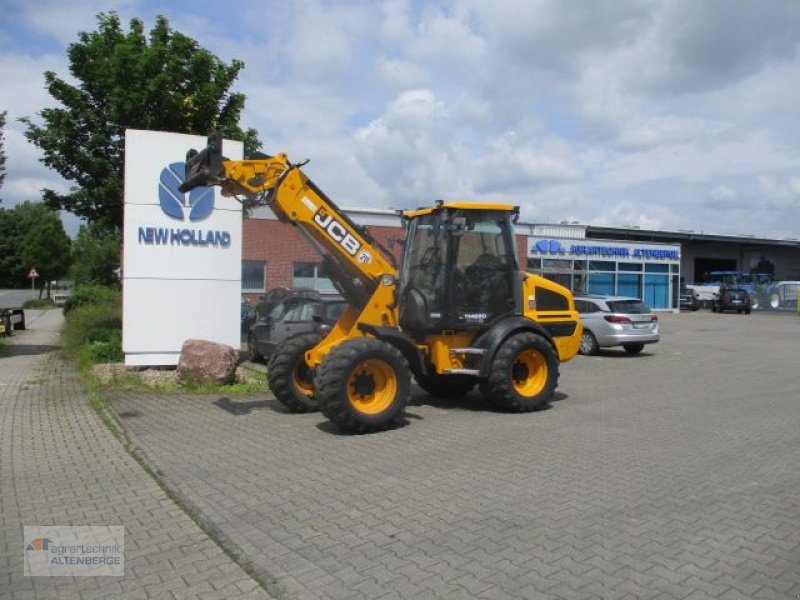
(615, 321)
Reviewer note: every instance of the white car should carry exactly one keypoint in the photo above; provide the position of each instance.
(615, 321)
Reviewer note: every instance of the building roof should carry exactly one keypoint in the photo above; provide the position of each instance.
(392, 218)
(634, 233)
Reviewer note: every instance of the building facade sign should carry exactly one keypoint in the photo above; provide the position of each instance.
(182, 252)
(543, 247)
(650, 272)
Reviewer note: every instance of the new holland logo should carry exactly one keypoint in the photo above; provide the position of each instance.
(195, 206)
(174, 203)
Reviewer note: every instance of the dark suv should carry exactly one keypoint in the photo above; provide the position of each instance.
(301, 311)
(732, 298)
(689, 299)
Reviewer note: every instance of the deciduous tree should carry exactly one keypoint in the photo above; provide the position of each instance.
(15, 225)
(162, 81)
(95, 256)
(47, 249)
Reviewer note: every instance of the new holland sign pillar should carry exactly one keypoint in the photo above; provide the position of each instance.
(182, 252)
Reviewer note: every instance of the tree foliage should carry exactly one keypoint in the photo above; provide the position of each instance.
(15, 225)
(95, 256)
(163, 81)
(47, 249)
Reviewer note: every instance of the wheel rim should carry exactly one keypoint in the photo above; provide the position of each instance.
(302, 379)
(529, 372)
(371, 386)
(587, 343)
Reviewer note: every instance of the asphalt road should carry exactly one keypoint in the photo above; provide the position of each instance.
(16, 298)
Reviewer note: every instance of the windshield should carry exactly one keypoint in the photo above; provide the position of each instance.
(333, 310)
(631, 307)
(459, 265)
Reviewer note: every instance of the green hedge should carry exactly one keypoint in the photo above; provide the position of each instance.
(93, 330)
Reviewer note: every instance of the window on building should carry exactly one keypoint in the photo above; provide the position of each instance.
(311, 275)
(629, 284)
(601, 283)
(557, 264)
(624, 266)
(254, 277)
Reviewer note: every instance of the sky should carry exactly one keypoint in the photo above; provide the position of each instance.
(663, 114)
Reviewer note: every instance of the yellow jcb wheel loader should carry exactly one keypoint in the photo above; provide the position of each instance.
(459, 312)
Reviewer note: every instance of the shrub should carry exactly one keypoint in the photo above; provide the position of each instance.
(90, 295)
(93, 330)
(43, 303)
(103, 352)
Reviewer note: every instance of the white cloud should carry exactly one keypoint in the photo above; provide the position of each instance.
(657, 113)
(519, 161)
(63, 20)
(402, 74)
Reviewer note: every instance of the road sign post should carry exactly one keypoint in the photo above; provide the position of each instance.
(32, 275)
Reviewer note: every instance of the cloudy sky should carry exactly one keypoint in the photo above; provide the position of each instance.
(670, 114)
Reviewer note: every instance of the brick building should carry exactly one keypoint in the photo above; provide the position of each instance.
(627, 261)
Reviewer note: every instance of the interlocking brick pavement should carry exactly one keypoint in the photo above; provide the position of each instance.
(673, 474)
(60, 465)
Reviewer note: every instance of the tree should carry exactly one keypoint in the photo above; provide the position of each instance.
(46, 248)
(2, 149)
(95, 256)
(15, 225)
(164, 82)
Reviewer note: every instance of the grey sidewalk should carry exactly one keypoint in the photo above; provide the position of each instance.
(59, 465)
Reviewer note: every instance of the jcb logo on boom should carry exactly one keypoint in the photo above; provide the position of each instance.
(337, 231)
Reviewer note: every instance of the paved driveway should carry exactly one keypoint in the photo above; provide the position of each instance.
(673, 474)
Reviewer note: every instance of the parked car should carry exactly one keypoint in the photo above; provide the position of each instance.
(689, 299)
(301, 311)
(615, 321)
(263, 307)
(732, 298)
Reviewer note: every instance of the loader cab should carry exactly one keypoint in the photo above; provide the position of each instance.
(459, 267)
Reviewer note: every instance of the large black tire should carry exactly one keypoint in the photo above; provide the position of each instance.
(445, 386)
(363, 385)
(589, 345)
(523, 374)
(255, 355)
(633, 348)
(289, 377)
